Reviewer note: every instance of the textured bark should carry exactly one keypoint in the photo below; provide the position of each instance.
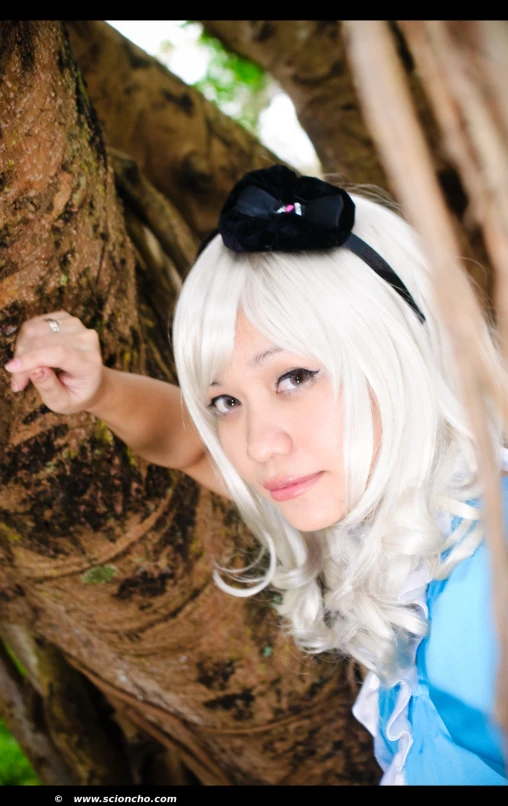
(156, 213)
(18, 706)
(307, 57)
(70, 716)
(107, 560)
(186, 147)
(463, 69)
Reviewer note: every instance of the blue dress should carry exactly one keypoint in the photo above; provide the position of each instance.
(435, 725)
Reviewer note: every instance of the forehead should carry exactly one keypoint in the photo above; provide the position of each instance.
(250, 350)
(251, 346)
(248, 337)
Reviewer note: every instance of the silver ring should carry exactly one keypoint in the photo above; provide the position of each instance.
(53, 323)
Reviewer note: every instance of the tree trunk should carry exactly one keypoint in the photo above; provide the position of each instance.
(105, 572)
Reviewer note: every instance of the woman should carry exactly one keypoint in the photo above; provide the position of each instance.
(321, 395)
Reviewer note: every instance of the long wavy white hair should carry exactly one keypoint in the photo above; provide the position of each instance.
(341, 585)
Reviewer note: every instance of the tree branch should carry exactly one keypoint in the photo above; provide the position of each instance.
(461, 66)
(183, 144)
(156, 212)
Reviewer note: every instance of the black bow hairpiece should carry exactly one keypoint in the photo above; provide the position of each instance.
(273, 209)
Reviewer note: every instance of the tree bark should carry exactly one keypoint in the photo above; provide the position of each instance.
(463, 69)
(106, 560)
(16, 707)
(185, 146)
(307, 58)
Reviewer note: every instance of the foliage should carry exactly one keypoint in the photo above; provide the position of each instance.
(15, 769)
(14, 659)
(238, 86)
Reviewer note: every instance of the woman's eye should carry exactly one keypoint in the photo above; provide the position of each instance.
(297, 377)
(223, 404)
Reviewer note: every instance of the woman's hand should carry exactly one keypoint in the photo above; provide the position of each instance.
(74, 352)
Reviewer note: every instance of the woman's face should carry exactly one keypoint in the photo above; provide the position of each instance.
(281, 429)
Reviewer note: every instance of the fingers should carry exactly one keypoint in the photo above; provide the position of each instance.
(36, 334)
(60, 316)
(53, 393)
(38, 327)
(58, 356)
(64, 365)
(53, 315)
(20, 381)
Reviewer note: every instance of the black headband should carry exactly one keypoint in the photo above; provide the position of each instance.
(273, 209)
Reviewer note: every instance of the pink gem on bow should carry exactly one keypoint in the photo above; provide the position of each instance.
(288, 208)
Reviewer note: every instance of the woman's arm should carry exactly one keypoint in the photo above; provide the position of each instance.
(151, 418)
(145, 413)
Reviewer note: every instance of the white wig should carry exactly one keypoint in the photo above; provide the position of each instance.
(341, 585)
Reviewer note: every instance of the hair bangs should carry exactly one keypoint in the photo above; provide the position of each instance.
(205, 319)
(283, 301)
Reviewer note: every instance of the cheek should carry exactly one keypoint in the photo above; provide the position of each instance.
(232, 444)
(326, 432)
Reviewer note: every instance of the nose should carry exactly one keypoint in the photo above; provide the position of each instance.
(266, 437)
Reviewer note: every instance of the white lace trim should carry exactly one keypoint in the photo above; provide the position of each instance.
(366, 707)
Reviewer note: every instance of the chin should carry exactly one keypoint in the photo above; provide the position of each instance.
(313, 521)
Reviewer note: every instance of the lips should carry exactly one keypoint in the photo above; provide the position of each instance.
(287, 487)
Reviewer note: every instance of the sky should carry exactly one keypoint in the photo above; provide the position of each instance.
(280, 130)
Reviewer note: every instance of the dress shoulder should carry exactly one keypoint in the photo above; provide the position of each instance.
(458, 662)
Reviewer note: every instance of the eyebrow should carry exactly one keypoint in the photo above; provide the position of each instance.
(256, 361)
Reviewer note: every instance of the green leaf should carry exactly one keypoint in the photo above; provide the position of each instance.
(21, 669)
(101, 573)
(15, 769)
(237, 85)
